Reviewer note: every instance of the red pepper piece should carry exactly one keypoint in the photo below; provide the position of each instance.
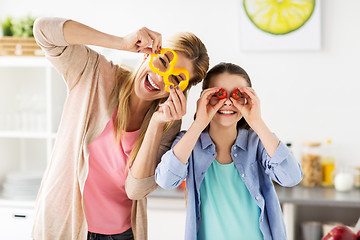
(236, 94)
(221, 94)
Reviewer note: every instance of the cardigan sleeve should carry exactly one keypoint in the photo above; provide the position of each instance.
(139, 188)
(168, 140)
(71, 61)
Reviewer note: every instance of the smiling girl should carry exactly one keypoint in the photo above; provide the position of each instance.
(229, 158)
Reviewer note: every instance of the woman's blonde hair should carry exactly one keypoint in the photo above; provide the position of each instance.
(187, 44)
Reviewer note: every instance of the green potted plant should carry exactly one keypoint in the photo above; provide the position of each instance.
(23, 27)
(7, 27)
(18, 38)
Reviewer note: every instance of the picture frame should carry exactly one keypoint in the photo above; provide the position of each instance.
(306, 38)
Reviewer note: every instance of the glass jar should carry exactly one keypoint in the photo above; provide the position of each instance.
(357, 177)
(343, 178)
(311, 164)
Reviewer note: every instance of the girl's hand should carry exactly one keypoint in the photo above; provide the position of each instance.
(143, 40)
(251, 109)
(205, 111)
(174, 108)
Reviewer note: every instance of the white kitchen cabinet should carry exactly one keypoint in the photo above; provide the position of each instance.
(166, 218)
(16, 222)
(303, 204)
(32, 95)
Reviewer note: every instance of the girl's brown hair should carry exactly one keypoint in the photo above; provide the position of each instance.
(230, 68)
(187, 44)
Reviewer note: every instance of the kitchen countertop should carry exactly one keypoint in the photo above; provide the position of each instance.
(162, 193)
(301, 195)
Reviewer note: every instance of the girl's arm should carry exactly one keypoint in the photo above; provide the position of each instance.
(173, 166)
(276, 158)
(205, 112)
(173, 109)
(268, 139)
(170, 172)
(252, 114)
(282, 167)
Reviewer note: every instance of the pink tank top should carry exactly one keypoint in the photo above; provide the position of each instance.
(107, 207)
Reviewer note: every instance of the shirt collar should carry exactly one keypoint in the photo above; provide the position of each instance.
(205, 140)
(241, 139)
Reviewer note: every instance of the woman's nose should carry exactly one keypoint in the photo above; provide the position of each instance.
(159, 78)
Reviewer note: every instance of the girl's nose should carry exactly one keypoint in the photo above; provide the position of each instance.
(228, 102)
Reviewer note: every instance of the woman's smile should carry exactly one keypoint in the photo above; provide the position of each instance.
(150, 84)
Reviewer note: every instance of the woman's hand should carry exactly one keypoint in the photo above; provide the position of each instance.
(205, 111)
(251, 109)
(143, 40)
(174, 108)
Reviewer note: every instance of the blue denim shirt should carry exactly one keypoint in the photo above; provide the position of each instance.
(255, 167)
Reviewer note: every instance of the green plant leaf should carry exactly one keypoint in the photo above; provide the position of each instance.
(7, 27)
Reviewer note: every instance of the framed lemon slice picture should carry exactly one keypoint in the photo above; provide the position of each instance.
(279, 16)
(281, 24)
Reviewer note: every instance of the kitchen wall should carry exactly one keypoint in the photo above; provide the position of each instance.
(306, 95)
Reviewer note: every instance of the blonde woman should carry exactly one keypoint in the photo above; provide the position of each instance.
(115, 126)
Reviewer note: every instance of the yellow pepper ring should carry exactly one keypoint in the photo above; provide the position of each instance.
(172, 63)
(177, 71)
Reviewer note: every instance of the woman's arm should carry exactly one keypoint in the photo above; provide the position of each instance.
(147, 158)
(140, 181)
(64, 40)
(76, 33)
(70, 61)
(141, 187)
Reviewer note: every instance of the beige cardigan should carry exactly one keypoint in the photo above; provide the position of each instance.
(90, 79)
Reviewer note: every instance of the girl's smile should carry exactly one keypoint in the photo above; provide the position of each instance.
(226, 112)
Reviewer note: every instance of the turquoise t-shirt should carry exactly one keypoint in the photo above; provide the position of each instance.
(227, 209)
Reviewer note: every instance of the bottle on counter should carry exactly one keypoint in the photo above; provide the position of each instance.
(311, 164)
(327, 164)
(357, 177)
